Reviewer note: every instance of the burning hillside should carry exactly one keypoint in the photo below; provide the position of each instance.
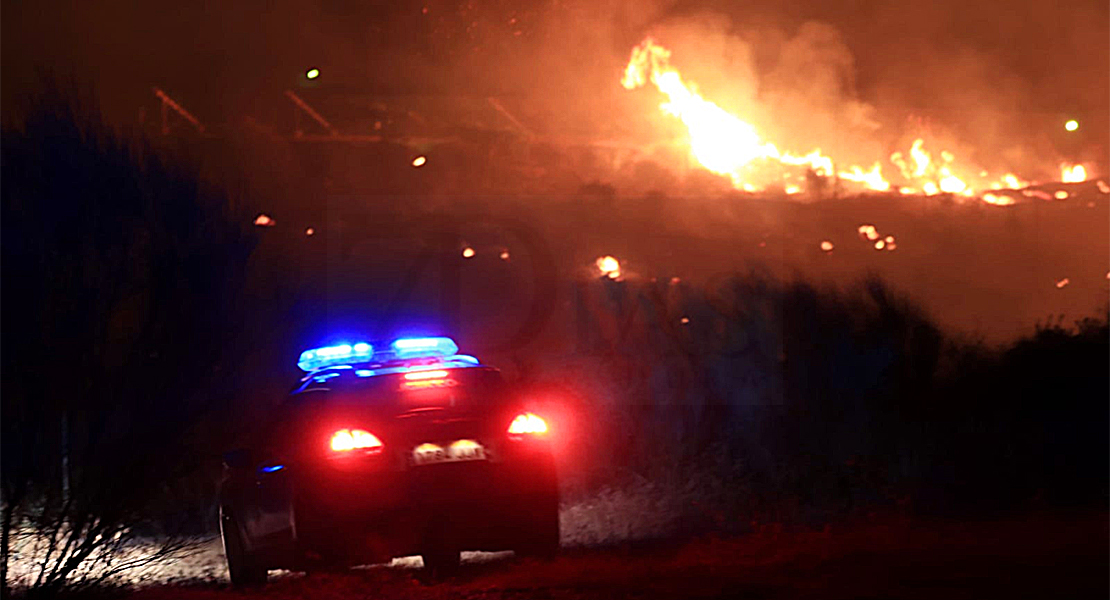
(727, 145)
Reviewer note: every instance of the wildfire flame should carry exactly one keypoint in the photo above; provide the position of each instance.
(727, 145)
(609, 267)
(1073, 173)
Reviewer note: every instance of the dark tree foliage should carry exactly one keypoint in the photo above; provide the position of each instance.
(122, 273)
(802, 403)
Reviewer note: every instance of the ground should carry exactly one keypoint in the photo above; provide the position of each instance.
(1035, 555)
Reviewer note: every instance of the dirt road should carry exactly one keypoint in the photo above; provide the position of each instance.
(1035, 556)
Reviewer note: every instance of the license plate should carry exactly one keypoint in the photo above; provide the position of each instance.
(457, 451)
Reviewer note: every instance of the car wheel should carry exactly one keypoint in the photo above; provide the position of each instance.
(543, 540)
(242, 567)
(439, 562)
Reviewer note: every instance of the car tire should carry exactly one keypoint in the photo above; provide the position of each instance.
(440, 562)
(242, 567)
(543, 541)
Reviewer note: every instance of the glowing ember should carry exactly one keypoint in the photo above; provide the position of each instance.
(468, 252)
(504, 255)
(827, 246)
(609, 267)
(419, 161)
(1073, 173)
(264, 220)
(998, 200)
(1102, 187)
(879, 245)
(310, 232)
(1063, 282)
(684, 320)
(1060, 195)
(868, 232)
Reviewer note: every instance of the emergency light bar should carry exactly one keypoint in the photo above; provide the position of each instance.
(343, 354)
(429, 346)
(441, 352)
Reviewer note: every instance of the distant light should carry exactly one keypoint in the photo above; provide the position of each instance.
(264, 220)
(312, 73)
(684, 320)
(468, 252)
(1071, 125)
(272, 468)
(419, 161)
(504, 255)
(310, 232)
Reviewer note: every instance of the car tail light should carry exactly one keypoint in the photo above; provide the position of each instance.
(425, 375)
(527, 424)
(346, 440)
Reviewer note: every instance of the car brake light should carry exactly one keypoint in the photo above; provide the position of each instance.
(346, 440)
(527, 423)
(422, 375)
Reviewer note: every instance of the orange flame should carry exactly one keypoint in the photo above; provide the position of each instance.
(729, 146)
(1073, 173)
(609, 267)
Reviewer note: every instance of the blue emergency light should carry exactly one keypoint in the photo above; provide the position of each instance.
(328, 356)
(443, 349)
(426, 346)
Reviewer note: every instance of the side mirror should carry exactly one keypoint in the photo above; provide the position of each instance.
(240, 458)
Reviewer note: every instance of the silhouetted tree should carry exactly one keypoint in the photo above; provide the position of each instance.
(122, 273)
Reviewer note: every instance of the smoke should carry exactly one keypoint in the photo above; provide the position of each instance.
(991, 82)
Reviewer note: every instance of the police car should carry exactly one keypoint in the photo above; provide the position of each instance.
(388, 450)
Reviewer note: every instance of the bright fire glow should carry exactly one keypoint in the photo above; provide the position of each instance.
(350, 439)
(468, 252)
(727, 145)
(1073, 173)
(1071, 125)
(419, 161)
(998, 200)
(527, 423)
(609, 267)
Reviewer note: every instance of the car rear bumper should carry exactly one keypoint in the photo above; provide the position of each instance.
(365, 515)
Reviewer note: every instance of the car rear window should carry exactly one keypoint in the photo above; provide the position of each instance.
(459, 386)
